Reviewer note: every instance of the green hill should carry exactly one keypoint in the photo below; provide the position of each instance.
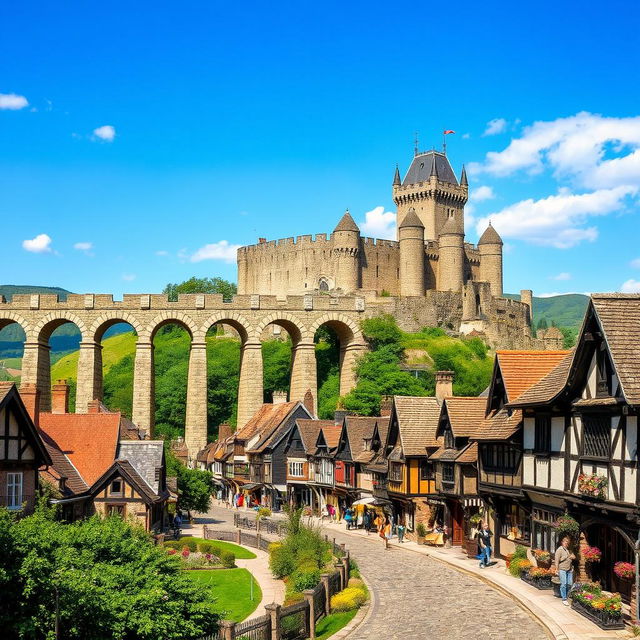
(563, 311)
(9, 290)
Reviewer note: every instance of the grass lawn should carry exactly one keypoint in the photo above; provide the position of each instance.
(239, 552)
(333, 623)
(231, 588)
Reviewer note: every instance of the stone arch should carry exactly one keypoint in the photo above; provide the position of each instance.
(287, 321)
(345, 327)
(600, 521)
(169, 317)
(236, 320)
(108, 319)
(54, 319)
(11, 317)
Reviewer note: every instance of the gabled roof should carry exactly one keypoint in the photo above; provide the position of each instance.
(61, 467)
(145, 456)
(331, 433)
(500, 425)
(309, 431)
(427, 164)
(271, 429)
(267, 417)
(417, 419)
(89, 440)
(547, 387)
(465, 414)
(9, 396)
(126, 470)
(467, 454)
(522, 369)
(360, 428)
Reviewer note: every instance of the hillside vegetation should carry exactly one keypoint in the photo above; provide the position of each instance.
(560, 311)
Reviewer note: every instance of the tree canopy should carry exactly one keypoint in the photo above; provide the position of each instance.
(201, 285)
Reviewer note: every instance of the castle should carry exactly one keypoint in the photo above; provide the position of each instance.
(429, 276)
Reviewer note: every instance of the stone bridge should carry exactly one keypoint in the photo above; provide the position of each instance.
(301, 316)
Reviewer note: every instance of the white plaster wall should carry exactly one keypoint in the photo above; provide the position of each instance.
(557, 473)
(630, 486)
(542, 472)
(615, 424)
(557, 433)
(575, 420)
(527, 468)
(529, 433)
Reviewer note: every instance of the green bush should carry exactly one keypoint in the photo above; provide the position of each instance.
(518, 565)
(208, 547)
(520, 552)
(421, 530)
(433, 332)
(190, 543)
(228, 559)
(173, 544)
(305, 579)
(348, 599)
(282, 561)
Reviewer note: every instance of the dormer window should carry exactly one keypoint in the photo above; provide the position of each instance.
(449, 440)
(603, 373)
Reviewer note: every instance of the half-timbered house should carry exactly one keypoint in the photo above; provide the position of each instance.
(581, 437)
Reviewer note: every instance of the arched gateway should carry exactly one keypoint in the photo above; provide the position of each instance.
(249, 315)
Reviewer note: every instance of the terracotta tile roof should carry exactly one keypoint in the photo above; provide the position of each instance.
(469, 454)
(499, 425)
(331, 433)
(465, 414)
(418, 422)
(619, 316)
(547, 387)
(62, 467)
(309, 431)
(203, 454)
(595, 402)
(266, 418)
(522, 369)
(89, 440)
(358, 429)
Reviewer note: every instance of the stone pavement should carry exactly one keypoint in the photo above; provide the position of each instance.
(561, 621)
(415, 597)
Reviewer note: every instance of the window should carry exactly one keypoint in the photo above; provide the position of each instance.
(596, 436)
(543, 434)
(544, 535)
(500, 457)
(116, 510)
(296, 469)
(515, 523)
(158, 472)
(395, 472)
(426, 470)
(449, 440)
(14, 490)
(603, 377)
(116, 486)
(447, 472)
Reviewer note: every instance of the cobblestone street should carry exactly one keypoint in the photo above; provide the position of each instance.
(417, 597)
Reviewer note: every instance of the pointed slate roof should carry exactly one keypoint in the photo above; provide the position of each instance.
(463, 178)
(490, 236)
(347, 223)
(411, 219)
(427, 164)
(396, 178)
(450, 228)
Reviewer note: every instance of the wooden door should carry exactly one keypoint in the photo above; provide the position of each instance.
(458, 523)
(614, 549)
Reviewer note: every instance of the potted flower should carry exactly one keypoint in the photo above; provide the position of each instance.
(543, 558)
(591, 554)
(539, 577)
(624, 570)
(421, 532)
(566, 525)
(601, 607)
(593, 485)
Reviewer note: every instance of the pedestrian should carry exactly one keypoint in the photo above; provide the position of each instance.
(348, 517)
(564, 566)
(386, 532)
(400, 529)
(366, 520)
(484, 538)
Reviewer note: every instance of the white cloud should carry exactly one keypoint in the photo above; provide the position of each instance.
(40, 244)
(128, 277)
(221, 250)
(495, 126)
(85, 247)
(561, 276)
(162, 253)
(106, 133)
(379, 224)
(630, 286)
(12, 101)
(482, 193)
(635, 263)
(466, 136)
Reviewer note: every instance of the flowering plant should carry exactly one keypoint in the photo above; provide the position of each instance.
(172, 552)
(624, 570)
(541, 555)
(591, 554)
(185, 552)
(208, 557)
(591, 484)
(592, 597)
(565, 525)
(539, 572)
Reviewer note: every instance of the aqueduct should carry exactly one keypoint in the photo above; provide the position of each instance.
(301, 316)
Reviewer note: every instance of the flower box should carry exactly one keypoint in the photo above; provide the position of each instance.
(603, 619)
(593, 486)
(543, 583)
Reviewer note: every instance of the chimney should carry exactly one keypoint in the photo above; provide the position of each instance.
(444, 385)
(224, 431)
(308, 401)
(386, 403)
(31, 399)
(338, 416)
(279, 397)
(93, 406)
(60, 397)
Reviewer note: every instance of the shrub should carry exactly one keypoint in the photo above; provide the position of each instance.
(354, 569)
(356, 582)
(348, 599)
(282, 561)
(172, 551)
(421, 530)
(228, 559)
(207, 547)
(190, 543)
(520, 552)
(302, 579)
(185, 552)
(433, 332)
(173, 544)
(518, 565)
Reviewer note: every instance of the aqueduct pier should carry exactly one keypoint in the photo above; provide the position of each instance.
(301, 316)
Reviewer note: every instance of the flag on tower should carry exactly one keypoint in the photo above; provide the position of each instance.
(448, 131)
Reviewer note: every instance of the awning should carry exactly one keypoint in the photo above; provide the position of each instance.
(252, 485)
(373, 502)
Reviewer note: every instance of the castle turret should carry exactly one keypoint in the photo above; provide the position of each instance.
(411, 239)
(396, 178)
(451, 258)
(346, 252)
(431, 188)
(490, 247)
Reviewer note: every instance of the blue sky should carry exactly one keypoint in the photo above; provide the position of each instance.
(140, 142)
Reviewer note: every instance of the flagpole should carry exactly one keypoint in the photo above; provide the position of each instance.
(444, 142)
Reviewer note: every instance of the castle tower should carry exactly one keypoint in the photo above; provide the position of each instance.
(411, 237)
(431, 188)
(346, 253)
(451, 259)
(490, 247)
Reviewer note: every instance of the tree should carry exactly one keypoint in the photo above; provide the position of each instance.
(542, 324)
(201, 285)
(104, 578)
(195, 486)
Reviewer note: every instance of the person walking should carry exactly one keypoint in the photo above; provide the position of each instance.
(484, 539)
(564, 566)
(348, 517)
(400, 530)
